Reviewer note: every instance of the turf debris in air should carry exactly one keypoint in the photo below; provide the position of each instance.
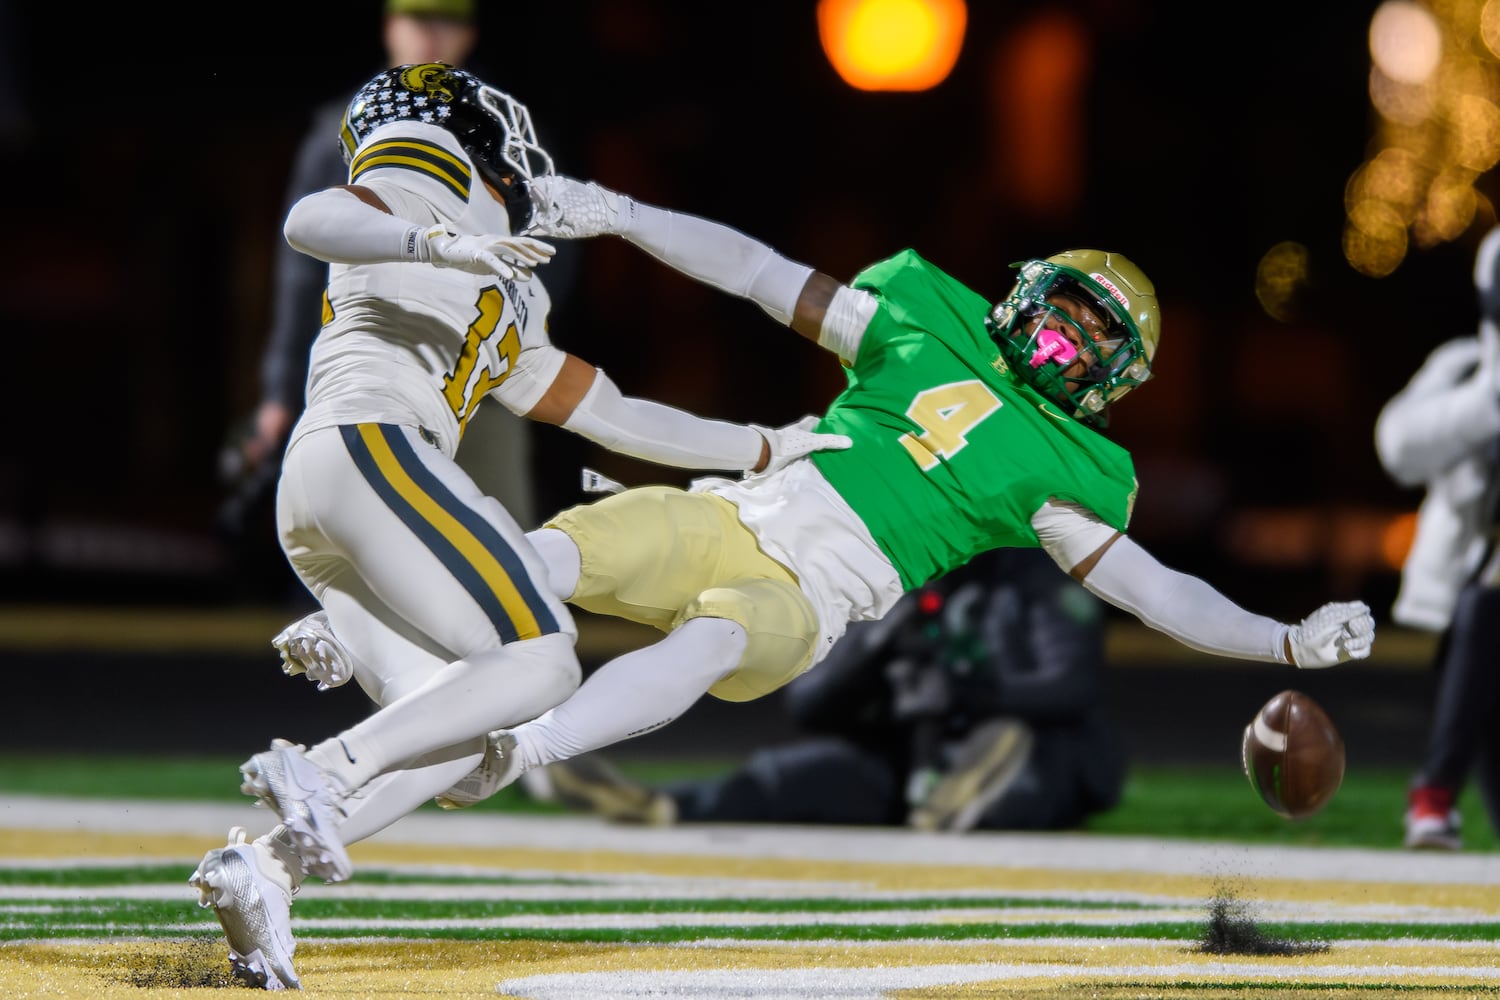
(1232, 930)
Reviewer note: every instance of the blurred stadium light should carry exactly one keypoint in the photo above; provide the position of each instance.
(892, 44)
(1434, 85)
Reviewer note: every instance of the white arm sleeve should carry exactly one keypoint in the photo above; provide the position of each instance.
(719, 256)
(1183, 606)
(659, 433)
(845, 321)
(333, 225)
(1069, 533)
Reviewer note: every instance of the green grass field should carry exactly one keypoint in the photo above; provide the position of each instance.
(1196, 803)
(1217, 897)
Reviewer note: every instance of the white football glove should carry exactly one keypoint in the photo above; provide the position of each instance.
(571, 210)
(796, 441)
(506, 256)
(1332, 634)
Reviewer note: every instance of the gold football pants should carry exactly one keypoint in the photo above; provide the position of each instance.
(659, 556)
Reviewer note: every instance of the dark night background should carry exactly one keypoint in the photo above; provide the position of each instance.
(146, 155)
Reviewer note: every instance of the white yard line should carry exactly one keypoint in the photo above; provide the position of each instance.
(879, 983)
(1055, 851)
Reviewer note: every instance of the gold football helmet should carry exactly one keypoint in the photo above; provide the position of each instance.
(1109, 353)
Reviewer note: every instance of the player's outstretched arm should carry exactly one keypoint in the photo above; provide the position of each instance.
(349, 224)
(793, 294)
(1197, 615)
(586, 401)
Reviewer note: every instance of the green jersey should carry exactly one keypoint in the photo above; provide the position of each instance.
(953, 453)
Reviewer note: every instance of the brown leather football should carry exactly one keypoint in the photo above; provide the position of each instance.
(1293, 755)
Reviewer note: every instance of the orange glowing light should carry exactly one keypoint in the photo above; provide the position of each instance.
(1396, 539)
(892, 44)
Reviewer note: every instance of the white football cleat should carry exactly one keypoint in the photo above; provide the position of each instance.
(496, 769)
(306, 799)
(251, 892)
(308, 646)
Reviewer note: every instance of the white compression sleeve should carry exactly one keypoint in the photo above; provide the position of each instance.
(719, 256)
(635, 693)
(335, 226)
(659, 433)
(1183, 606)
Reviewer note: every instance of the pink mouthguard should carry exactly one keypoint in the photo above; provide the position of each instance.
(1053, 346)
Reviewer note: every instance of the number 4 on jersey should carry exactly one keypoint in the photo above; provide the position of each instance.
(946, 414)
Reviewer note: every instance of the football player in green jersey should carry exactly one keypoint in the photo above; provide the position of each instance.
(974, 426)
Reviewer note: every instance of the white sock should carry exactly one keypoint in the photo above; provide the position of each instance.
(635, 693)
(282, 844)
(346, 756)
(397, 793)
(465, 699)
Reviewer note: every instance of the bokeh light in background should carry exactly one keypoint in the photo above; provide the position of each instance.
(1280, 278)
(892, 44)
(1434, 83)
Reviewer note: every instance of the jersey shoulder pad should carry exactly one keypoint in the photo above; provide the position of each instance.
(909, 273)
(415, 155)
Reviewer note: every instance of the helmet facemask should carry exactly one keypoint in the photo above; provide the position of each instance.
(513, 157)
(1067, 335)
(494, 128)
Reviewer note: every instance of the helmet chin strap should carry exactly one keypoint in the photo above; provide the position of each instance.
(514, 192)
(518, 205)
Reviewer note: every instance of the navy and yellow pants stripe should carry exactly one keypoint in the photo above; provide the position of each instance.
(472, 550)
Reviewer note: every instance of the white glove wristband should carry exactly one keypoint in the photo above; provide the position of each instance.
(415, 247)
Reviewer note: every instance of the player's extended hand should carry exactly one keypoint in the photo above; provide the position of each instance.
(506, 256)
(1335, 633)
(795, 441)
(571, 209)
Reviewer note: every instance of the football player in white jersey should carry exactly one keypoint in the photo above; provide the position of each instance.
(431, 585)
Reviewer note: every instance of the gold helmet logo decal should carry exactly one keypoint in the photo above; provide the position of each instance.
(431, 80)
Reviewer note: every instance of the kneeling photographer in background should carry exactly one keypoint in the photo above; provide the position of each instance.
(976, 703)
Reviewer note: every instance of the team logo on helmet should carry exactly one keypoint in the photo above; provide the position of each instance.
(431, 80)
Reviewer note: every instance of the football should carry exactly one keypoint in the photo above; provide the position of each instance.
(1293, 755)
